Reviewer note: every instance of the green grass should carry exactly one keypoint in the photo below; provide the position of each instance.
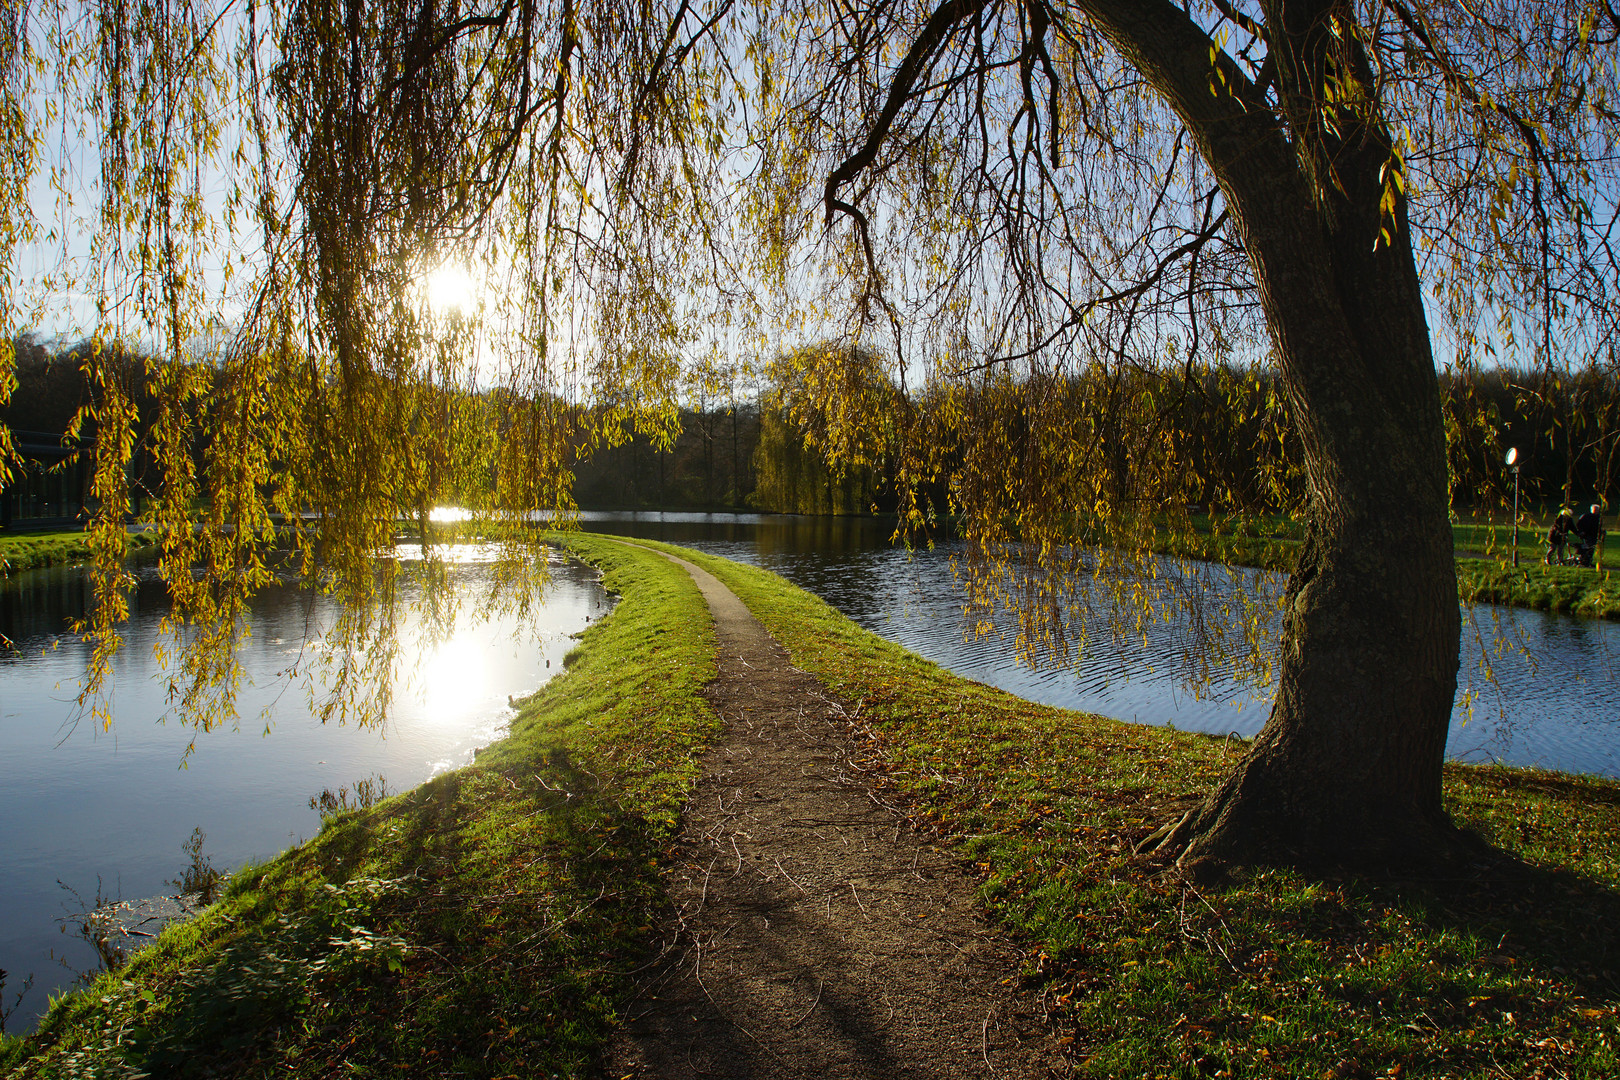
(483, 924)
(1485, 573)
(30, 551)
(1270, 541)
(1569, 589)
(1275, 975)
(1495, 538)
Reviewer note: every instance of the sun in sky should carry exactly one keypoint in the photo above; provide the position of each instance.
(450, 288)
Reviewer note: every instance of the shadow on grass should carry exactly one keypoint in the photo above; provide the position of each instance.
(1554, 920)
(1509, 974)
(1515, 972)
(1565, 787)
(475, 927)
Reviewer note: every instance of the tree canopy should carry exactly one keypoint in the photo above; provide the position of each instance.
(982, 205)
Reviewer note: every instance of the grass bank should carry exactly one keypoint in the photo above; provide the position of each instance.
(480, 925)
(1572, 590)
(1485, 573)
(1276, 975)
(30, 551)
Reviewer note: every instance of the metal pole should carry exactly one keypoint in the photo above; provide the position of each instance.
(1515, 515)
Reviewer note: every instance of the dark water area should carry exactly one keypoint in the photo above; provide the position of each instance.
(1534, 689)
(83, 809)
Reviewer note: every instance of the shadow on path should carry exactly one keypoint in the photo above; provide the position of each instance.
(811, 933)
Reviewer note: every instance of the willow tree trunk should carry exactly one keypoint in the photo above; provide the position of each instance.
(1348, 768)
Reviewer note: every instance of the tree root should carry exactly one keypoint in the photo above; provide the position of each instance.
(1229, 831)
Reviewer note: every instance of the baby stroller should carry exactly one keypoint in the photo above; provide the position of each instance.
(1588, 534)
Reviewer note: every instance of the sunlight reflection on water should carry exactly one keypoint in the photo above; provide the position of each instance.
(78, 804)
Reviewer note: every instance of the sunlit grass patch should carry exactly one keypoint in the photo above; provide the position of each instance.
(30, 551)
(482, 924)
(1275, 974)
(1574, 590)
(1485, 574)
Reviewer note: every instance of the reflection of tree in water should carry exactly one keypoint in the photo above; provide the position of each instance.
(37, 606)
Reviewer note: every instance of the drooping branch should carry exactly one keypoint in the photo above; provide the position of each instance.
(939, 26)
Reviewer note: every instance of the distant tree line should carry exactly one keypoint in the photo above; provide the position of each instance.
(794, 477)
(48, 415)
(709, 466)
(1566, 428)
(1214, 435)
(52, 389)
(55, 402)
(1211, 436)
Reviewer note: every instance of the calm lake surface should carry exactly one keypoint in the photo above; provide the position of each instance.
(1554, 702)
(78, 805)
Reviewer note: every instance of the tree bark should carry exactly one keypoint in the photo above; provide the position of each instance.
(1347, 770)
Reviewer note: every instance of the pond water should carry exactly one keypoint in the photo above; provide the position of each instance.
(1554, 700)
(82, 809)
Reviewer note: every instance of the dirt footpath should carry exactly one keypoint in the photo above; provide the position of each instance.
(812, 933)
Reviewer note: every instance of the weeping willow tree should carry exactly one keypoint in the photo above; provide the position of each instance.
(1040, 190)
(283, 191)
(829, 430)
(994, 202)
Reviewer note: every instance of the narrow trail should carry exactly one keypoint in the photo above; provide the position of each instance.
(812, 934)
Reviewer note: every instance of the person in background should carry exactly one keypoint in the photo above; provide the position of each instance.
(1589, 527)
(1558, 538)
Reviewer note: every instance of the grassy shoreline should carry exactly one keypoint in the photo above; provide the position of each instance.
(1569, 590)
(1485, 574)
(482, 924)
(32, 551)
(1276, 975)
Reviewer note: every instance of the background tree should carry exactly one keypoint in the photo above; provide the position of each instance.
(1565, 423)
